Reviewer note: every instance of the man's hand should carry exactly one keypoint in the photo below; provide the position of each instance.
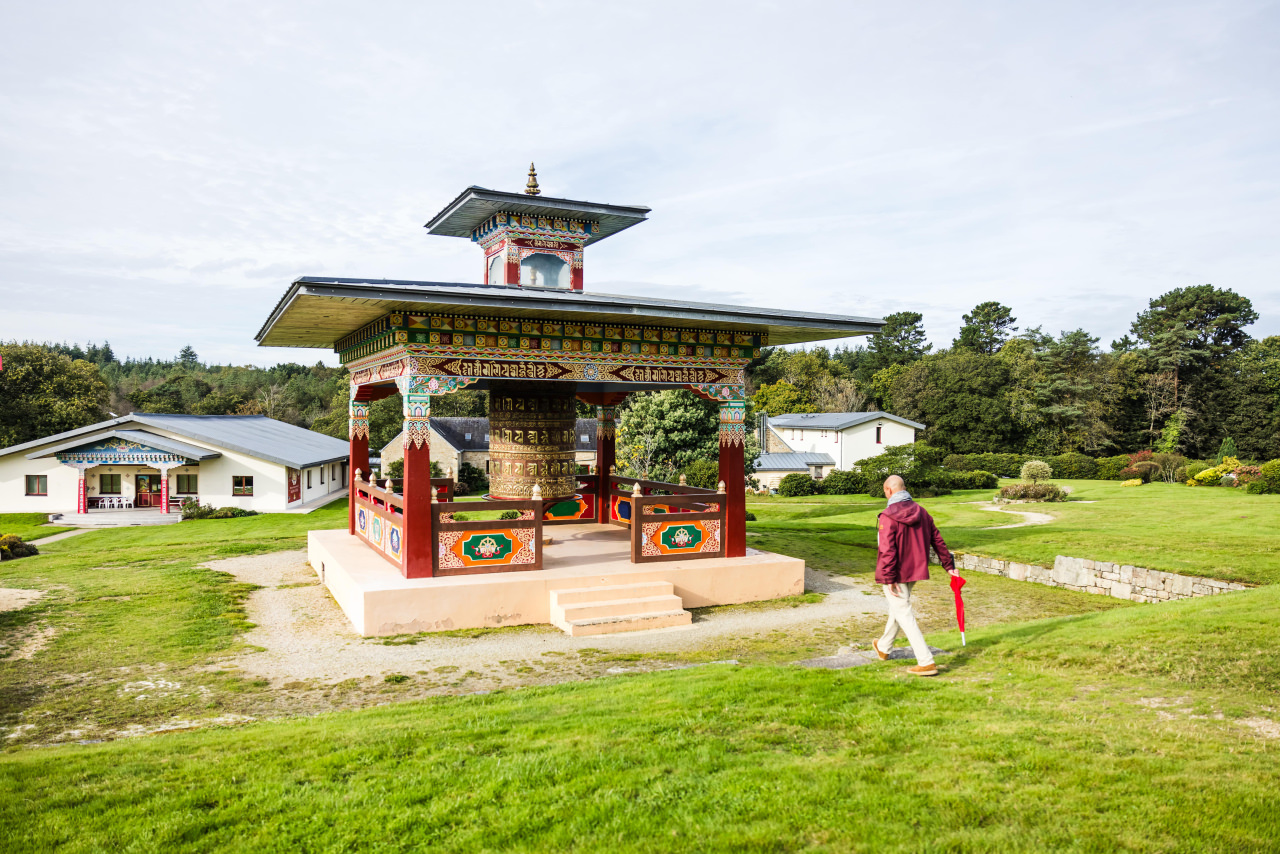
(893, 590)
(954, 572)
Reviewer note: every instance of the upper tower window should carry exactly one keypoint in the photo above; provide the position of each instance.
(541, 270)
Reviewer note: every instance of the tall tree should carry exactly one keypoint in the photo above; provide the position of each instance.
(43, 393)
(986, 328)
(962, 399)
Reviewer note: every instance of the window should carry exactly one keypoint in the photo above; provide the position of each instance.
(241, 485)
(37, 484)
(585, 438)
(322, 474)
(187, 484)
(108, 484)
(308, 478)
(879, 438)
(467, 436)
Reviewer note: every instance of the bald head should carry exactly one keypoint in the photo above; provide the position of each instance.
(893, 484)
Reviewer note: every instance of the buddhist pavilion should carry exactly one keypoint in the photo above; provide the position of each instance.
(591, 552)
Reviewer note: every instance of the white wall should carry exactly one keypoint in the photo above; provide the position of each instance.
(63, 484)
(847, 446)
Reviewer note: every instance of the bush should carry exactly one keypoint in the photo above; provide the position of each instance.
(1194, 468)
(1033, 492)
(12, 546)
(1036, 471)
(1141, 457)
(959, 462)
(918, 464)
(1073, 465)
(460, 488)
(505, 514)
(750, 517)
(1268, 479)
(1218, 475)
(1227, 449)
(1170, 466)
(796, 484)
(843, 483)
(1137, 481)
(477, 482)
(192, 509)
(969, 480)
(393, 470)
(704, 474)
(1110, 468)
(1146, 470)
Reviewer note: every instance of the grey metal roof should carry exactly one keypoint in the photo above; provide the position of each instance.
(455, 431)
(475, 205)
(142, 437)
(255, 435)
(836, 420)
(792, 462)
(316, 311)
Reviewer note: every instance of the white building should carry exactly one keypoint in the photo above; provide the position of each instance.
(146, 460)
(818, 443)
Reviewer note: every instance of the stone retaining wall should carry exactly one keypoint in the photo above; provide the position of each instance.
(1097, 576)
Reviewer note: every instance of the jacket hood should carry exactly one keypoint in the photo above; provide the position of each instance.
(905, 512)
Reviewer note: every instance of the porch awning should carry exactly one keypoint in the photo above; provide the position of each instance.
(127, 446)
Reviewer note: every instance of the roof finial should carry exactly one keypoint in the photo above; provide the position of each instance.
(531, 188)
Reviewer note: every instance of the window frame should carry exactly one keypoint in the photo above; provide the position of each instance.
(245, 487)
(119, 484)
(40, 480)
(188, 477)
(308, 478)
(879, 434)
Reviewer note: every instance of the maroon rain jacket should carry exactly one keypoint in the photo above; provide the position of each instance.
(906, 532)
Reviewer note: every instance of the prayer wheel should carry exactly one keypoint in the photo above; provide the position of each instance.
(531, 439)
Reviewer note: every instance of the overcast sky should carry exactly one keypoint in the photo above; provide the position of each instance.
(167, 169)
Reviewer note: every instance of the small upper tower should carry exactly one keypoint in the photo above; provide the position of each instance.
(528, 239)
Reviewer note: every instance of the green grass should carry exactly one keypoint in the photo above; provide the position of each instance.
(28, 525)
(1220, 533)
(1122, 731)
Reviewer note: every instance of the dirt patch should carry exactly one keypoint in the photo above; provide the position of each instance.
(16, 598)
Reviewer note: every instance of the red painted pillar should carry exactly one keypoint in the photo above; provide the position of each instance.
(82, 501)
(733, 438)
(164, 490)
(575, 275)
(418, 540)
(358, 433)
(606, 444)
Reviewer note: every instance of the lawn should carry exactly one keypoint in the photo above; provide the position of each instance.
(1137, 730)
(28, 526)
(1220, 533)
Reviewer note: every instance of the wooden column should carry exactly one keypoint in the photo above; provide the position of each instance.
(606, 444)
(358, 433)
(733, 472)
(419, 540)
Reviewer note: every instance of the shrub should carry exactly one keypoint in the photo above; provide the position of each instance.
(959, 462)
(12, 546)
(750, 517)
(393, 469)
(797, 484)
(1147, 470)
(969, 480)
(1268, 478)
(1246, 475)
(1036, 471)
(192, 509)
(1109, 468)
(1141, 457)
(477, 482)
(460, 488)
(1227, 449)
(1170, 466)
(843, 483)
(1217, 476)
(1033, 492)
(704, 474)
(1194, 468)
(1137, 481)
(1073, 465)
(505, 514)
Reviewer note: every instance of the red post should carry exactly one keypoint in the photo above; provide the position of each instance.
(418, 540)
(606, 444)
(733, 440)
(82, 502)
(164, 490)
(358, 433)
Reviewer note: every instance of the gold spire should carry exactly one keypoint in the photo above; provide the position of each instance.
(531, 188)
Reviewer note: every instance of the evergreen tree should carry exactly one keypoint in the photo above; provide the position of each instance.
(986, 328)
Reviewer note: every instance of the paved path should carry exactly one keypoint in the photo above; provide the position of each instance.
(44, 541)
(1028, 517)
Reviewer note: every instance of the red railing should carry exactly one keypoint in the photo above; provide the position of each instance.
(477, 546)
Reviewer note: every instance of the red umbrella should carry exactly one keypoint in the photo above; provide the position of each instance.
(956, 583)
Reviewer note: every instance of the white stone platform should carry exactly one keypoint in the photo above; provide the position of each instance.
(379, 601)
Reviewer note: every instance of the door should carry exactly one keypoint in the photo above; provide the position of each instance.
(147, 493)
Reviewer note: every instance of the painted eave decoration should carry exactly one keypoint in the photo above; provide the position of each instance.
(475, 205)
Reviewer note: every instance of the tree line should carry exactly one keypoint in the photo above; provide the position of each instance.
(1185, 377)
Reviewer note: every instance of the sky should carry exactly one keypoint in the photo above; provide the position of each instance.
(167, 169)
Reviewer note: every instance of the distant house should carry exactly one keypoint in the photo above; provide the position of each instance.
(818, 443)
(455, 441)
(147, 460)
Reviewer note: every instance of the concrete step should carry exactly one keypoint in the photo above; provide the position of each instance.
(627, 623)
(614, 607)
(617, 608)
(574, 595)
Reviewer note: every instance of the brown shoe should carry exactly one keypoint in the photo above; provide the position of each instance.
(923, 670)
(884, 656)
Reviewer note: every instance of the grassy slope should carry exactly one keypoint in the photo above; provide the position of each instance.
(1034, 740)
(1221, 533)
(27, 525)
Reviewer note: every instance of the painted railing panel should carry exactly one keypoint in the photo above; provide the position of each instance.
(477, 546)
(577, 510)
(379, 520)
(678, 527)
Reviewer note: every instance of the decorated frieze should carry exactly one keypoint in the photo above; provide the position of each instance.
(733, 428)
(534, 227)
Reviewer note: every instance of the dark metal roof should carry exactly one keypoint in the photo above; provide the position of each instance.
(316, 311)
(792, 462)
(836, 420)
(255, 435)
(475, 205)
(142, 437)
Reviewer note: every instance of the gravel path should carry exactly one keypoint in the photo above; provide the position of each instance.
(1028, 517)
(303, 634)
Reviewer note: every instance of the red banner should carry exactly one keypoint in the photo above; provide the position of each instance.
(295, 485)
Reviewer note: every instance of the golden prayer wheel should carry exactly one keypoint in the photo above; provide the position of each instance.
(531, 439)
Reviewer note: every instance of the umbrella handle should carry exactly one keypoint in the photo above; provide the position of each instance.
(962, 641)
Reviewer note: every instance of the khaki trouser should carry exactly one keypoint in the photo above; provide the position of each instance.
(901, 618)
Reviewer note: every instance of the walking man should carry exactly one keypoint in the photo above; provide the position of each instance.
(905, 533)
